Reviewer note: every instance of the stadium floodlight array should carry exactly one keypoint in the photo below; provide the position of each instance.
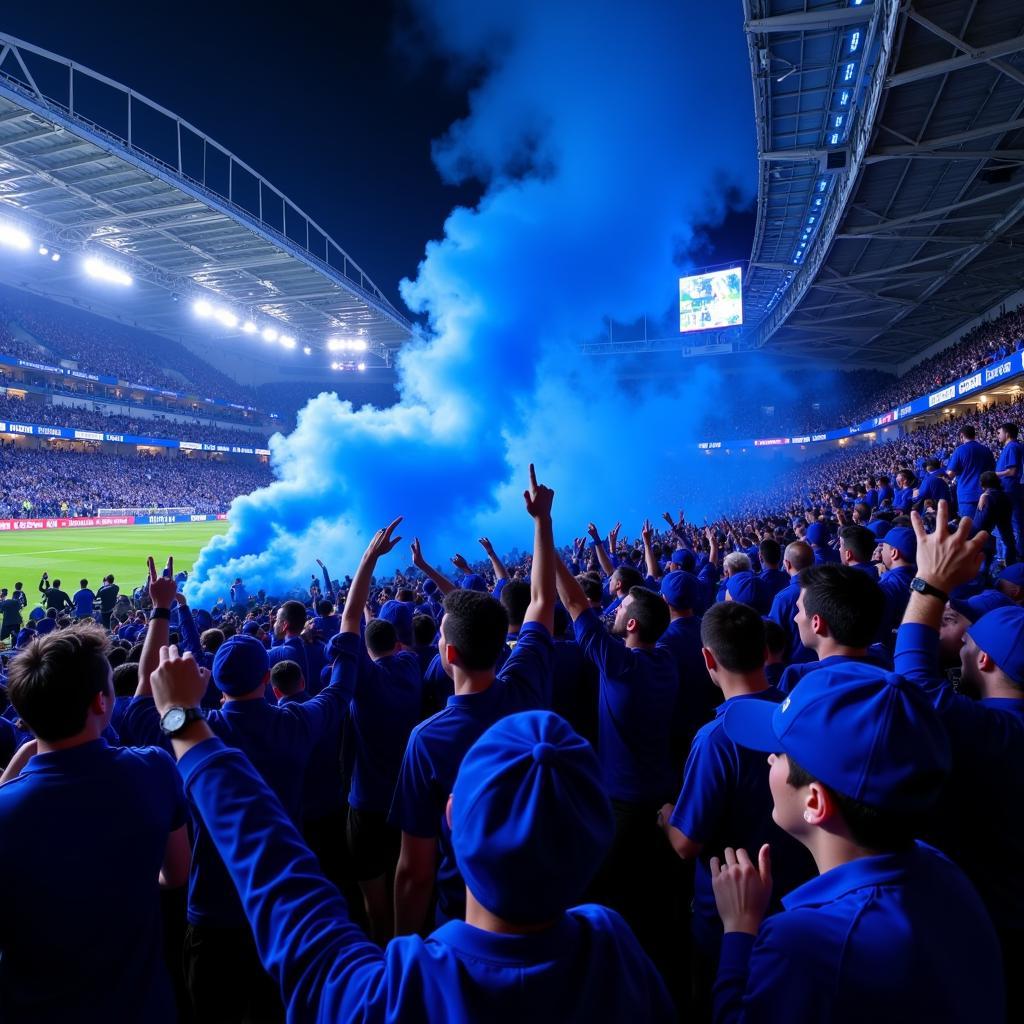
(346, 345)
(206, 310)
(348, 366)
(14, 238)
(103, 271)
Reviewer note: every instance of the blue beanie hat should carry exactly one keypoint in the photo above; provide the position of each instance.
(531, 822)
(429, 587)
(399, 614)
(747, 588)
(681, 590)
(251, 628)
(240, 665)
(817, 534)
(474, 582)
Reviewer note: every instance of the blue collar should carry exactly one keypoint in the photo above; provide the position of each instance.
(768, 694)
(884, 869)
(71, 757)
(536, 947)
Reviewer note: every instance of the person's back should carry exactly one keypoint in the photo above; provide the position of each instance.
(83, 601)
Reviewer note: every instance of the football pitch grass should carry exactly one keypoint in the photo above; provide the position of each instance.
(91, 553)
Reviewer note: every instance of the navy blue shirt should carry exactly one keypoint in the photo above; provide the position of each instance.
(895, 586)
(783, 611)
(697, 695)
(311, 658)
(80, 933)
(1010, 458)
(437, 746)
(967, 463)
(775, 580)
(636, 704)
(934, 487)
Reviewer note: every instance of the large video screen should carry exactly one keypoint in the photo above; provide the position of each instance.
(711, 300)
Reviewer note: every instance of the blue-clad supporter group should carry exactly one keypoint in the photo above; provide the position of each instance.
(762, 769)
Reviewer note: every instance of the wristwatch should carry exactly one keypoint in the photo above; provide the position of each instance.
(921, 586)
(177, 718)
(159, 613)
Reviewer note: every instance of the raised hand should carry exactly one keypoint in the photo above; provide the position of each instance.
(538, 498)
(667, 516)
(593, 531)
(177, 681)
(460, 563)
(417, 553)
(383, 542)
(647, 533)
(613, 535)
(486, 545)
(946, 559)
(162, 590)
(742, 890)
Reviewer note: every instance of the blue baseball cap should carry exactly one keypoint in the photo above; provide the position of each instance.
(474, 582)
(429, 587)
(746, 588)
(869, 734)
(1000, 634)
(686, 560)
(531, 821)
(904, 540)
(1013, 574)
(240, 665)
(817, 534)
(399, 614)
(977, 605)
(879, 527)
(681, 590)
(251, 628)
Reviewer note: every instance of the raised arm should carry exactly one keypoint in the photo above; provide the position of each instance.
(382, 543)
(328, 588)
(569, 591)
(444, 584)
(500, 572)
(162, 591)
(600, 550)
(647, 533)
(542, 578)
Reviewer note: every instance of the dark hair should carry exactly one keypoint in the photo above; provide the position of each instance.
(55, 584)
(324, 607)
(771, 551)
(628, 577)
(860, 540)
(849, 600)
(651, 614)
(734, 633)
(227, 630)
(776, 639)
(591, 587)
(872, 828)
(1011, 430)
(84, 583)
(126, 675)
(405, 595)
(967, 431)
(990, 479)
(55, 678)
(286, 676)
(515, 599)
(381, 636)
(475, 625)
(424, 629)
(117, 656)
(211, 639)
(294, 615)
(135, 653)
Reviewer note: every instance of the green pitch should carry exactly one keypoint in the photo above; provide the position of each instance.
(75, 554)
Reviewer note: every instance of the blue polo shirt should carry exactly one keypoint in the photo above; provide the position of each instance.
(638, 689)
(311, 658)
(437, 746)
(697, 695)
(934, 487)
(876, 655)
(783, 612)
(587, 967)
(1011, 458)
(80, 933)
(775, 580)
(83, 601)
(986, 790)
(725, 801)
(895, 587)
(895, 937)
(967, 463)
(904, 499)
(383, 711)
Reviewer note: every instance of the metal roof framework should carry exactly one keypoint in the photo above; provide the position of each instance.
(88, 165)
(925, 227)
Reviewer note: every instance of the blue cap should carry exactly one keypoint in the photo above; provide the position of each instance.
(429, 587)
(1013, 574)
(474, 582)
(817, 534)
(251, 628)
(1000, 634)
(904, 540)
(979, 604)
(686, 560)
(879, 527)
(240, 665)
(681, 590)
(399, 614)
(748, 589)
(869, 734)
(531, 821)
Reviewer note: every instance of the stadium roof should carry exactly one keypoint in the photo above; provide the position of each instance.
(907, 121)
(88, 165)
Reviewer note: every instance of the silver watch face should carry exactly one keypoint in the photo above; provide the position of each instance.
(173, 720)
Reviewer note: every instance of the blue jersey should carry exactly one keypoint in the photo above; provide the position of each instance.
(1010, 458)
(967, 463)
(83, 602)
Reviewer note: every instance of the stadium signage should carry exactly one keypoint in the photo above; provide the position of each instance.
(190, 446)
(903, 410)
(969, 384)
(995, 372)
(938, 397)
(79, 522)
(819, 437)
(19, 428)
(88, 435)
(769, 442)
(801, 440)
(885, 418)
(705, 445)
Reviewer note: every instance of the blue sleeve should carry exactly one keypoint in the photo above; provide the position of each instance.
(953, 466)
(414, 806)
(528, 667)
(608, 654)
(328, 589)
(300, 922)
(323, 713)
(706, 789)
(190, 633)
(140, 726)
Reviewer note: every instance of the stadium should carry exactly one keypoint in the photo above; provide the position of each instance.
(355, 763)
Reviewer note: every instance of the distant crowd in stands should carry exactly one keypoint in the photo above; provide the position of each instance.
(52, 482)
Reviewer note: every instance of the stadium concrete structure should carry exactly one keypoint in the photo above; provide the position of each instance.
(88, 167)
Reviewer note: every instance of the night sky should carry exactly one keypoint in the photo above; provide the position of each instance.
(335, 104)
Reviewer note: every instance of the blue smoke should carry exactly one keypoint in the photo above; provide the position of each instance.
(605, 140)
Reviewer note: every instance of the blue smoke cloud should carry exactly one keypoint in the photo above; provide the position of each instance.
(604, 140)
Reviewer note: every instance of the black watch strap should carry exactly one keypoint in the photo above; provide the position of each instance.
(177, 718)
(921, 586)
(159, 613)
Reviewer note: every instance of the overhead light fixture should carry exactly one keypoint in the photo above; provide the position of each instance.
(287, 341)
(359, 346)
(361, 367)
(269, 334)
(202, 308)
(103, 271)
(307, 350)
(249, 327)
(55, 256)
(14, 237)
(43, 251)
(225, 317)
(335, 345)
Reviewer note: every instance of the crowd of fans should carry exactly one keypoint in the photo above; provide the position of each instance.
(54, 482)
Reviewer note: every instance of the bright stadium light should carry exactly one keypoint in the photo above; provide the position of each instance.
(202, 308)
(55, 256)
(335, 345)
(287, 341)
(225, 317)
(14, 237)
(359, 346)
(43, 251)
(334, 366)
(269, 334)
(361, 367)
(249, 327)
(102, 271)
(307, 350)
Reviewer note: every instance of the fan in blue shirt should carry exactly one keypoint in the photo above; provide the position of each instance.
(90, 830)
(934, 487)
(1009, 469)
(890, 930)
(967, 463)
(83, 601)
(798, 556)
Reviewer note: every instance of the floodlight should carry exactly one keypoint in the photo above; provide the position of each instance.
(269, 334)
(359, 346)
(43, 251)
(14, 237)
(307, 350)
(226, 317)
(287, 341)
(335, 345)
(55, 256)
(105, 272)
(361, 367)
(202, 308)
(249, 327)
